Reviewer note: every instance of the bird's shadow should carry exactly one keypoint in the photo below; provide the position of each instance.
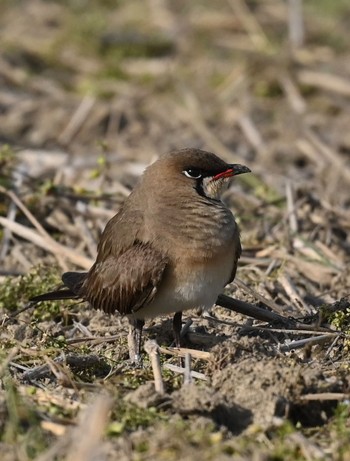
(162, 332)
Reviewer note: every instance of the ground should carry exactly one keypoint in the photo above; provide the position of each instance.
(91, 92)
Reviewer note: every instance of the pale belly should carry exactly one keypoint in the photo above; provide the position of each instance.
(195, 286)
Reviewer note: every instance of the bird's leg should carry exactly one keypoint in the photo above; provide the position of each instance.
(177, 325)
(134, 340)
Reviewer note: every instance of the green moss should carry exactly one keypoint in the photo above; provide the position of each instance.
(22, 424)
(16, 291)
(328, 7)
(129, 417)
(341, 421)
(133, 378)
(267, 89)
(261, 189)
(82, 29)
(132, 44)
(8, 162)
(341, 320)
(338, 315)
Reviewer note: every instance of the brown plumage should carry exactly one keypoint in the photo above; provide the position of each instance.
(172, 246)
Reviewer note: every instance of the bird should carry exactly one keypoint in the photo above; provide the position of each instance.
(173, 245)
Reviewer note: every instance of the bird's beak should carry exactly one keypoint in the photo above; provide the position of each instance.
(233, 170)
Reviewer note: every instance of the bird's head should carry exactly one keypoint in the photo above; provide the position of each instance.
(199, 170)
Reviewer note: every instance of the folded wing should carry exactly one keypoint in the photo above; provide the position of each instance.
(127, 282)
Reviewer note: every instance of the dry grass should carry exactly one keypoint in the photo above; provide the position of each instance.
(90, 93)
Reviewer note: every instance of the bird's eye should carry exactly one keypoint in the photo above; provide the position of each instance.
(193, 173)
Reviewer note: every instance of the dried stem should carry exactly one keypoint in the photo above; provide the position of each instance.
(152, 349)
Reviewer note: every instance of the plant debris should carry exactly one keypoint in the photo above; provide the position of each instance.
(93, 91)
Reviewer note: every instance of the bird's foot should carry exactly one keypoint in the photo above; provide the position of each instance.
(134, 343)
(135, 361)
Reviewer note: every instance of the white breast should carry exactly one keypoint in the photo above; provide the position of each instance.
(195, 286)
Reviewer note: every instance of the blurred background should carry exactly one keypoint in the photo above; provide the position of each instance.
(91, 91)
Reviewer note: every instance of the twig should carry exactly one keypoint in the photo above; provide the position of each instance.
(6, 318)
(86, 235)
(273, 264)
(83, 329)
(268, 302)
(191, 113)
(18, 366)
(251, 132)
(177, 369)
(87, 437)
(77, 121)
(6, 240)
(61, 373)
(55, 449)
(33, 220)
(305, 342)
(325, 396)
(293, 221)
(296, 23)
(294, 97)
(292, 293)
(210, 317)
(187, 373)
(253, 28)
(256, 261)
(55, 428)
(328, 351)
(298, 330)
(328, 153)
(11, 273)
(79, 362)
(25, 211)
(325, 81)
(202, 355)
(309, 450)
(152, 349)
(94, 340)
(11, 215)
(48, 244)
(20, 256)
(7, 360)
(317, 252)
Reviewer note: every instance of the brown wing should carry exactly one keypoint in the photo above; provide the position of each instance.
(236, 255)
(127, 282)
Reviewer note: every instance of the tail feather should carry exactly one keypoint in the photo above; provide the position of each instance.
(54, 296)
(72, 280)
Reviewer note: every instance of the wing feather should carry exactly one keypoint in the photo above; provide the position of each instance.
(127, 282)
(236, 255)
